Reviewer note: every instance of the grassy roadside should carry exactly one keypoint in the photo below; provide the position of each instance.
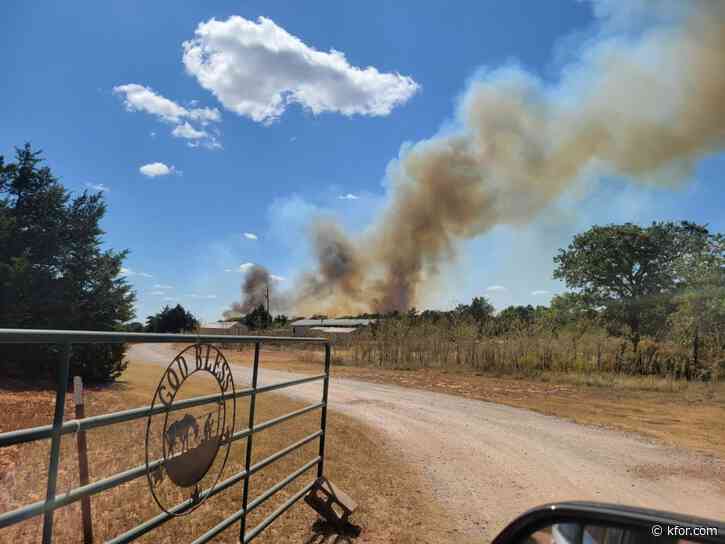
(394, 507)
(681, 414)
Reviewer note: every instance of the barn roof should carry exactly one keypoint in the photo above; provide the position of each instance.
(338, 330)
(331, 322)
(221, 325)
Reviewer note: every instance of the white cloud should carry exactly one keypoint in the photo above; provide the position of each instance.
(152, 134)
(277, 278)
(128, 272)
(98, 187)
(245, 266)
(144, 99)
(211, 143)
(195, 295)
(158, 293)
(540, 292)
(162, 286)
(188, 132)
(496, 288)
(257, 68)
(228, 270)
(348, 196)
(170, 299)
(155, 169)
(250, 236)
(140, 98)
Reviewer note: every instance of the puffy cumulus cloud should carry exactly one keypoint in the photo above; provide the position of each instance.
(188, 132)
(156, 169)
(140, 98)
(144, 99)
(257, 68)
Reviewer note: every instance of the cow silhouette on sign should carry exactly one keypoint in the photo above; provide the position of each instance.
(179, 431)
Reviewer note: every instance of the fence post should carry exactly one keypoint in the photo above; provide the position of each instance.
(61, 390)
(248, 456)
(83, 460)
(323, 416)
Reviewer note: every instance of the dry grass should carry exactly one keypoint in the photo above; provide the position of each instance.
(522, 348)
(674, 412)
(393, 505)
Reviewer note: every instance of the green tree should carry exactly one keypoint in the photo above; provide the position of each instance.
(172, 320)
(479, 309)
(281, 320)
(53, 272)
(568, 309)
(630, 272)
(699, 318)
(135, 326)
(259, 318)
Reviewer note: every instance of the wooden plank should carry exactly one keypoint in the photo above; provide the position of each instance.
(343, 498)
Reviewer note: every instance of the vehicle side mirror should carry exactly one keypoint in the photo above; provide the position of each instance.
(594, 523)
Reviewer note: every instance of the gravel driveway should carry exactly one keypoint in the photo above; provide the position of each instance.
(485, 463)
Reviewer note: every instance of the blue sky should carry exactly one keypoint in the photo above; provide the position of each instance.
(68, 72)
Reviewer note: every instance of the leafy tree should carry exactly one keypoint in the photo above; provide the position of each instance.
(258, 318)
(568, 309)
(53, 272)
(630, 272)
(134, 326)
(517, 313)
(171, 320)
(700, 314)
(281, 320)
(479, 309)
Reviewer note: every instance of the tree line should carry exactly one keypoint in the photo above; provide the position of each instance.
(640, 300)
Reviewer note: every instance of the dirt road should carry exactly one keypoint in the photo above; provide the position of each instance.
(485, 463)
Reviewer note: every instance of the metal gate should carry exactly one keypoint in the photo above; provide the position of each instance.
(199, 345)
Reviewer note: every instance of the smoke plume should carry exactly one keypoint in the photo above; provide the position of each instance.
(257, 280)
(644, 106)
(254, 290)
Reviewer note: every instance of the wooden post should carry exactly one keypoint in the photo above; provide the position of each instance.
(83, 461)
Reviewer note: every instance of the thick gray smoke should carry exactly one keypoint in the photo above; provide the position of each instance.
(254, 289)
(646, 107)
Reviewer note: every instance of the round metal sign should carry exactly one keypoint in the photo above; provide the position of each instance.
(187, 445)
